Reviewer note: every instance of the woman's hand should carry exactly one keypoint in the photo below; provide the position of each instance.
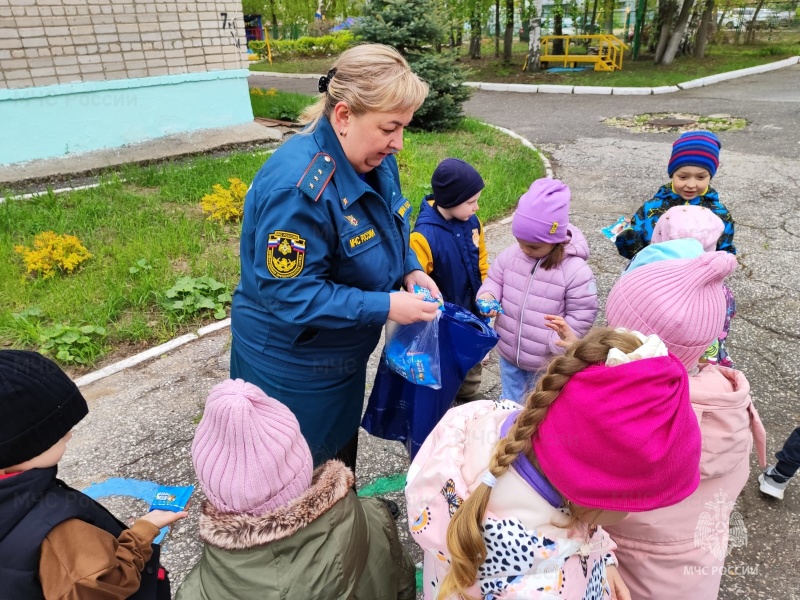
(564, 331)
(421, 279)
(488, 296)
(405, 308)
(619, 591)
(162, 518)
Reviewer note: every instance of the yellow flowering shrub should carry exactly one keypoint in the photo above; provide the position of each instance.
(225, 204)
(260, 92)
(53, 252)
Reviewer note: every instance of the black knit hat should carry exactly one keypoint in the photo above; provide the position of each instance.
(454, 182)
(39, 404)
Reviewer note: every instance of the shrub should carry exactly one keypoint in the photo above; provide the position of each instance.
(412, 26)
(225, 204)
(191, 296)
(53, 252)
(306, 46)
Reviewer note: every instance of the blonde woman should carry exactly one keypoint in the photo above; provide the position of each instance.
(510, 503)
(325, 239)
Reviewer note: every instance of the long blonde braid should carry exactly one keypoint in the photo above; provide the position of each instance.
(464, 534)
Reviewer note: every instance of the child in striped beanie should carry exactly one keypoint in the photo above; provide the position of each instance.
(692, 165)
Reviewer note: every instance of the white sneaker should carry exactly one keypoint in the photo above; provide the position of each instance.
(769, 486)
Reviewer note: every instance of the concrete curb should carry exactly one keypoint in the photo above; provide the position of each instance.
(631, 91)
(157, 351)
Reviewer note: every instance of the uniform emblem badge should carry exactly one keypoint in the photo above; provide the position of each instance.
(285, 254)
(352, 220)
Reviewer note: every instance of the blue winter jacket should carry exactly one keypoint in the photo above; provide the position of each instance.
(452, 252)
(636, 236)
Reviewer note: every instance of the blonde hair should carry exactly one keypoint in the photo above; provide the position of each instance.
(369, 78)
(464, 539)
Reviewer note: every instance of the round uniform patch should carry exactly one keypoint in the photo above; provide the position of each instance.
(285, 254)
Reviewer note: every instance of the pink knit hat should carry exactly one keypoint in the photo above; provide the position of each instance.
(689, 221)
(542, 214)
(681, 301)
(248, 452)
(622, 438)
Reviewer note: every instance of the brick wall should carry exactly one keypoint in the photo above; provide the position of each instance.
(49, 42)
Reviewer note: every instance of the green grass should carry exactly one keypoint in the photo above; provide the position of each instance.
(153, 218)
(273, 104)
(773, 46)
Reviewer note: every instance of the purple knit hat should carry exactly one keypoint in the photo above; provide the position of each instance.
(542, 214)
(681, 301)
(248, 452)
(689, 221)
(695, 149)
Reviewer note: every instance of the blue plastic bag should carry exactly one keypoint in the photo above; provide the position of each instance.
(412, 351)
(403, 411)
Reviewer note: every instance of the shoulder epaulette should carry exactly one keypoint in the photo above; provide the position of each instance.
(317, 176)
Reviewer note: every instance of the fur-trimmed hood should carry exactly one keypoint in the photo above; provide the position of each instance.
(330, 483)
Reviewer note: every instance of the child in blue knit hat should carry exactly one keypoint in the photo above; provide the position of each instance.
(692, 165)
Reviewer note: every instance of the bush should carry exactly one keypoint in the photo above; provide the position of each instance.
(413, 28)
(53, 252)
(326, 45)
(225, 204)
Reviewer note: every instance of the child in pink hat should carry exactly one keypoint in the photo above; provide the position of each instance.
(682, 548)
(275, 528)
(544, 273)
(701, 224)
(510, 502)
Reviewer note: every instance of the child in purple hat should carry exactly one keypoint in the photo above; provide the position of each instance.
(544, 274)
(692, 165)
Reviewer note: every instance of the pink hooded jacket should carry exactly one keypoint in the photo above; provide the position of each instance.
(527, 293)
(679, 552)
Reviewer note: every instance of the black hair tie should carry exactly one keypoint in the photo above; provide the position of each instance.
(325, 80)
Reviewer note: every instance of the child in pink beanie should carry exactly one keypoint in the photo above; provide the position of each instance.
(683, 302)
(275, 528)
(510, 502)
(544, 273)
(699, 223)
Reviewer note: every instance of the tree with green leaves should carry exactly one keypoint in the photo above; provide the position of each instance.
(415, 28)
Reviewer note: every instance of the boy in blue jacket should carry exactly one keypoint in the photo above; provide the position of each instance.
(449, 244)
(692, 165)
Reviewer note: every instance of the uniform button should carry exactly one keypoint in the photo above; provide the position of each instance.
(327, 159)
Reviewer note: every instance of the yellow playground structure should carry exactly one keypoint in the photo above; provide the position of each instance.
(604, 50)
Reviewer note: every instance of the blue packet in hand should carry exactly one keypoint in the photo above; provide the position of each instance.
(172, 498)
(487, 306)
(428, 297)
(615, 229)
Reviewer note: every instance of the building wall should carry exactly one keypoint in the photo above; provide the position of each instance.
(91, 74)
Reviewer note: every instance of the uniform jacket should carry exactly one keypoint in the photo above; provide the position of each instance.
(527, 293)
(320, 248)
(56, 542)
(637, 235)
(521, 540)
(678, 552)
(452, 252)
(327, 545)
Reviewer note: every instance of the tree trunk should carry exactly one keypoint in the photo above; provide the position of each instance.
(594, 17)
(535, 37)
(475, 35)
(666, 13)
(585, 24)
(274, 16)
(508, 39)
(750, 35)
(677, 33)
(608, 8)
(704, 30)
(558, 29)
(722, 14)
(497, 28)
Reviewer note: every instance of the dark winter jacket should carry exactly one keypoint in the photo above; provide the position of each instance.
(636, 236)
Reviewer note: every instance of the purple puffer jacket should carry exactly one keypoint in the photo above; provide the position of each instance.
(528, 293)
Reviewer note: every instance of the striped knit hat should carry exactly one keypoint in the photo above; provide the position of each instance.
(695, 149)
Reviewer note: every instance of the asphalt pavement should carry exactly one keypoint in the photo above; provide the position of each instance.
(142, 420)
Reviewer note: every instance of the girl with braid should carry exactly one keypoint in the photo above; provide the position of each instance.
(509, 503)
